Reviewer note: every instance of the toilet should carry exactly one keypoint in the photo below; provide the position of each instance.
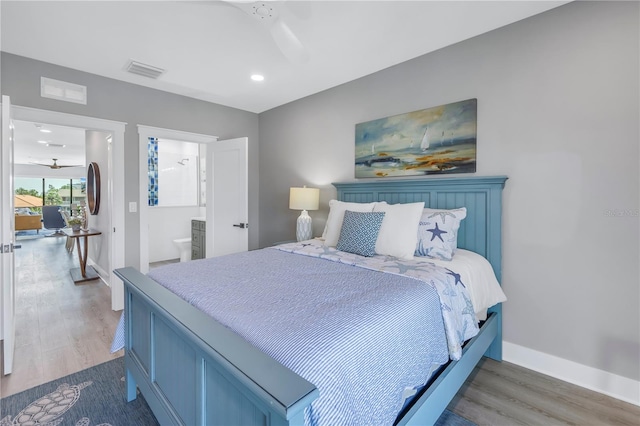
(184, 246)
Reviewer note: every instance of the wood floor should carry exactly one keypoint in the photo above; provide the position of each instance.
(63, 328)
(501, 393)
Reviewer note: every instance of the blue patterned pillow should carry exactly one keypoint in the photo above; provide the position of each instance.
(438, 232)
(359, 232)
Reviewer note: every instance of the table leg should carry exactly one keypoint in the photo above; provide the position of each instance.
(84, 272)
(82, 259)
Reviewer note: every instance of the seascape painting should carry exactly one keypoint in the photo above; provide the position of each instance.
(436, 140)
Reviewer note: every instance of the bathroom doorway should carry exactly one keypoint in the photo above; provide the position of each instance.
(221, 191)
(176, 196)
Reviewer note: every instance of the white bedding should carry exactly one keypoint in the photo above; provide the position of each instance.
(477, 275)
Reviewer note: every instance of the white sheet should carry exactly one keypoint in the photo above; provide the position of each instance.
(477, 275)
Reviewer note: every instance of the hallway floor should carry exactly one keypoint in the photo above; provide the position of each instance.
(61, 327)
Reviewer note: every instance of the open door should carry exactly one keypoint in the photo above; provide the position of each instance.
(7, 237)
(227, 197)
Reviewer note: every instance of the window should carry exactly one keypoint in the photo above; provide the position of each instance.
(52, 192)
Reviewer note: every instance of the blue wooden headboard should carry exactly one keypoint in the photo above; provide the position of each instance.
(480, 231)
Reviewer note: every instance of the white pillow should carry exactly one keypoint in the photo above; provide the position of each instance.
(399, 231)
(337, 208)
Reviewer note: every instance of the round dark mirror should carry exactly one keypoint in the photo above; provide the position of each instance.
(93, 188)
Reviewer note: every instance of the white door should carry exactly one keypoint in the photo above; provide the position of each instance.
(7, 236)
(227, 205)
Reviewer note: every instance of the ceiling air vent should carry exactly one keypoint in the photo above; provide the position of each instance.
(145, 70)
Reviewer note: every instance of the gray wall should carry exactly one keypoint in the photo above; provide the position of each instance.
(115, 100)
(97, 150)
(558, 113)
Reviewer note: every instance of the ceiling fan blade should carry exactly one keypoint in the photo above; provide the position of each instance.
(268, 13)
(55, 165)
(287, 42)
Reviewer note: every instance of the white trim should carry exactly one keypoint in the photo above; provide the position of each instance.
(145, 132)
(7, 236)
(610, 384)
(115, 184)
(179, 135)
(101, 272)
(64, 119)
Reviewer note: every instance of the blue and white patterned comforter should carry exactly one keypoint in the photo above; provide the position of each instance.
(360, 336)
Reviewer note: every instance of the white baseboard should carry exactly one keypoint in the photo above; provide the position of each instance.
(104, 275)
(610, 384)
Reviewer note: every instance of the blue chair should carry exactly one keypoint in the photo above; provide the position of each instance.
(53, 220)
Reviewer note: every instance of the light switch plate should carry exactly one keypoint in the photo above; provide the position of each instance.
(133, 207)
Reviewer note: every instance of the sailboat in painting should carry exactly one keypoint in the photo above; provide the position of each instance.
(424, 145)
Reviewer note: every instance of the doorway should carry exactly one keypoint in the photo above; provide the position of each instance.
(147, 134)
(114, 184)
(226, 191)
(176, 186)
(57, 324)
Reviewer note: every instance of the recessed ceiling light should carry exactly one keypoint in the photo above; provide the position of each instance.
(257, 77)
(45, 130)
(43, 142)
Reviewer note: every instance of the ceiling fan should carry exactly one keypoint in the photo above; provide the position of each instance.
(56, 166)
(268, 12)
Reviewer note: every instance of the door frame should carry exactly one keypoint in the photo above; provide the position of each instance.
(144, 133)
(7, 242)
(115, 181)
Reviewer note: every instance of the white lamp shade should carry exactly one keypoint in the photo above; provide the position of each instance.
(304, 198)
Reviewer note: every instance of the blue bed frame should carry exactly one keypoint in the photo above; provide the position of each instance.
(194, 371)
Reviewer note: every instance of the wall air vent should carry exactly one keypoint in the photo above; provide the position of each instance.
(145, 70)
(63, 91)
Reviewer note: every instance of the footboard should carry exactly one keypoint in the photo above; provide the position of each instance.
(192, 370)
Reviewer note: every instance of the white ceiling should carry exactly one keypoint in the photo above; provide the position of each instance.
(29, 147)
(210, 48)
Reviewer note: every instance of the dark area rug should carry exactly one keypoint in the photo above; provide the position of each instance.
(91, 397)
(95, 397)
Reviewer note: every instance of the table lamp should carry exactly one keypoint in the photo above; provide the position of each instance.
(304, 199)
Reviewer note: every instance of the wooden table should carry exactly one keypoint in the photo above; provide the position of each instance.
(84, 272)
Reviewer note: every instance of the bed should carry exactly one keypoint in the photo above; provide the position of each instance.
(194, 370)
